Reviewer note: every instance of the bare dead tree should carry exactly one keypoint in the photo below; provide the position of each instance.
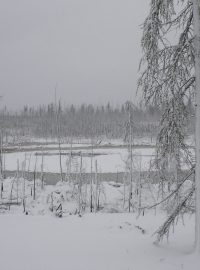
(1, 164)
(42, 170)
(91, 178)
(58, 133)
(24, 184)
(34, 178)
(96, 186)
(129, 139)
(80, 186)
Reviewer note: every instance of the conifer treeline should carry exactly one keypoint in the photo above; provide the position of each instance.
(77, 121)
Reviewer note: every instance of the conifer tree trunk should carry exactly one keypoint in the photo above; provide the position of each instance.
(196, 19)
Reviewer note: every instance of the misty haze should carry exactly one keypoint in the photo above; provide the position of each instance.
(90, 49)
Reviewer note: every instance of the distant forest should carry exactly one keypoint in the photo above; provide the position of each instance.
(86, 121)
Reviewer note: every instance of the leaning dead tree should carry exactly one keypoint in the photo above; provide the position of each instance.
(168, 81)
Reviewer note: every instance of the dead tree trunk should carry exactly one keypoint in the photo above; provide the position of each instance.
(34, 179)
(96, 186)
(91, 182)
(42, 170)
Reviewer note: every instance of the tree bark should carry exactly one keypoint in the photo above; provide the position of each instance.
(196, 19)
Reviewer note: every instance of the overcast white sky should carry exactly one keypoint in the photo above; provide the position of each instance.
(90, 48)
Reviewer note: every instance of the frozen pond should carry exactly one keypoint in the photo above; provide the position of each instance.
(109, 160)
(111, 156)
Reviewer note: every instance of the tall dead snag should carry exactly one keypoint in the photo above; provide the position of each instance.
(34, 178)
(58, 133)
(24, 184)
(1, 165)
(42, 170)
(11, 191)
(69, 164)
(17, 188)
(1, 186)
(80, 186)
(91, 178)
(129, 139)
(139, 185)
(96, 186)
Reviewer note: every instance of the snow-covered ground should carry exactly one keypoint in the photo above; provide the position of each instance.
(94, 241)
(108, 239)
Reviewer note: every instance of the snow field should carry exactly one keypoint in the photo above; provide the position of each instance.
(94, 241)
